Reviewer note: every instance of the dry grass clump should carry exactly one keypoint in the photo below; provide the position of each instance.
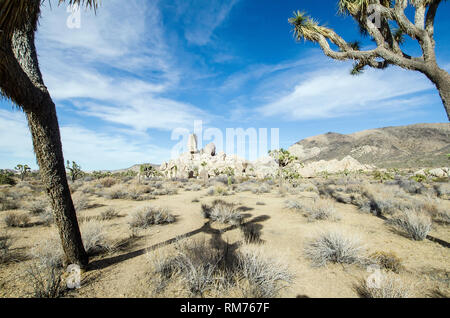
(149, 216)
(222, 212)
(434, 208)
(5, 245)
(322, 209)
(45, 273)
(93, 234)
(107, 182)
(46, 282)
(443, 190)
(109, 214)
(199, 270)
(293, 205)
(334, 247)
(46, 218)
(80, 201)
(259, 276)
(387, 260)
(415, 223)
(193, 187)
(388, 285)
(48, 253)
(37, 207)
(8, 202)
(17, 220)
(116, 192)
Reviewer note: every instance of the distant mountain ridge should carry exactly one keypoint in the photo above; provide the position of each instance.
(413, 146)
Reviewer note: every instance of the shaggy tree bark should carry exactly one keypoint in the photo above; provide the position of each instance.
(22, 82)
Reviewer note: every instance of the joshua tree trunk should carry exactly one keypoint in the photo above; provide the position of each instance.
(44, 129)
(441, 79)
(21, 80)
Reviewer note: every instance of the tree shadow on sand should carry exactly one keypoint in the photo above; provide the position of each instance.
(216, 241)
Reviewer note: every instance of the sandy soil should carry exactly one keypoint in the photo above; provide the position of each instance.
(125, 273)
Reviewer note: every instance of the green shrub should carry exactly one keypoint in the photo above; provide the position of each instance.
(6, 178)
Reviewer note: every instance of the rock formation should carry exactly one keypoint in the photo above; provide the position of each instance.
(207, 163)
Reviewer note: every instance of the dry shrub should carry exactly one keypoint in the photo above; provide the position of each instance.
(334, 247)
(322, 209)
(107, 182)
(17, 220)
(93, 234)
(47, 282)
(387, 260)
(199, 270)
(149, 216)
(415, 223)
(80, 201)
(222, 212)
(48, 253)
(5, 245)
(38, 207)
(109, 214)
(388, 286)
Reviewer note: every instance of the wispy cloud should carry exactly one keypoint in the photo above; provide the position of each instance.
(201, 18)
(91, 149)
(116, 67)
(331, 91)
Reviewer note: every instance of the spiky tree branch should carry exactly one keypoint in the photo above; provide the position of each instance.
(387, 38)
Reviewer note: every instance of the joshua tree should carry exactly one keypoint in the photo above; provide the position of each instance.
(23, 170)
(21, 81)
(75, 171)
(282, 158)
(377, 19)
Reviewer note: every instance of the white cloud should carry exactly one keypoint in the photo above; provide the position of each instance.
(92, 150)
(333, 92)
(115, 67)
(202, 18)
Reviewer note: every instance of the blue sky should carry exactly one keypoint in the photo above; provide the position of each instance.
(140, 69)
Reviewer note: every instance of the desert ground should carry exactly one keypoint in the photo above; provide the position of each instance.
(321, 237)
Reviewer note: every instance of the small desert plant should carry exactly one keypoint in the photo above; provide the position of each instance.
(149, 216)
(293, 205)
(322, 210)
(80, 202)
(107, 182)
(94, 237)
(334, 247)
(222, 212)
(6, 177)
(38, 207)
(5, 244)
(260, 203)
(195, 200)
(416, 224)
(388, 286)
(387, 260)
(46, 282)
(260, 276)
(251, 233)
(109, 214)
(48, 253)
(17, 220)
(46, 218)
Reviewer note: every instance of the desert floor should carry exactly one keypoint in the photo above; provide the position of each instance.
(125, 271)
